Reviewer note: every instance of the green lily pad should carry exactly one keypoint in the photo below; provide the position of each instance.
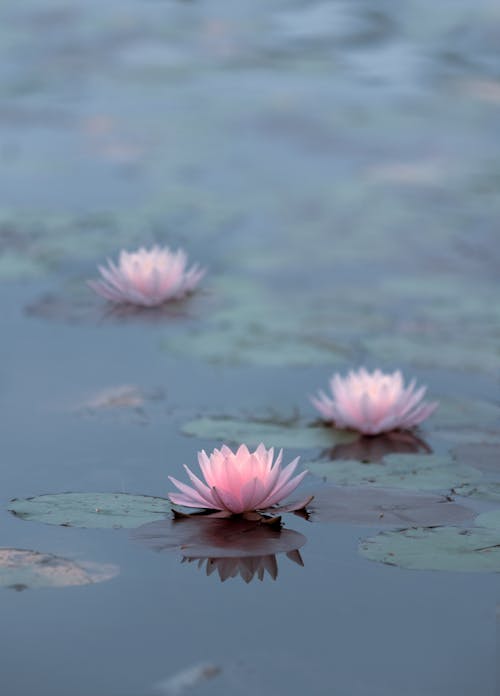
(94, 510)
(21, 569)
(436, 548)
(409, 471)
(252, 433)
(490, 520)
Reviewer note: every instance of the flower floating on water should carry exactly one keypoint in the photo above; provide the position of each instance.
(147, 277)
(239, 482)
(373, 402)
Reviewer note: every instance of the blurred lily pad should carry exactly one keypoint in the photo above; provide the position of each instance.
(257, 345)
(366, 506)
(22, 569)
(409, 471)
(436, 548)
(95, 510)
(297, 435)
(414, 350)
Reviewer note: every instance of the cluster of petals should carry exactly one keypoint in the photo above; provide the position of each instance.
(239, 482)
(147, 277)
(373, 402)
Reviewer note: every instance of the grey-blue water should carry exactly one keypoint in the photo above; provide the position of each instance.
(335, 167)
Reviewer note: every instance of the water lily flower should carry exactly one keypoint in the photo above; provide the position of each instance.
(373, 402)
(239, 482)
(147, 277)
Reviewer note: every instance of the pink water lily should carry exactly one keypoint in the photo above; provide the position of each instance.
(147, 277)
(373, 402)
(239, 482)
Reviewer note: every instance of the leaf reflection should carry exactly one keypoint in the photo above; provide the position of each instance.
(232, 547)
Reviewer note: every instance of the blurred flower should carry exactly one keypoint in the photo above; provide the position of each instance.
(147, 277)
(373, 402)
(239, 482)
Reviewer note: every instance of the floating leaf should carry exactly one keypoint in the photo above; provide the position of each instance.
(384, 507)
(410, 471)
(97, 510)
(21, 569)
(436, 548)
(272, 435)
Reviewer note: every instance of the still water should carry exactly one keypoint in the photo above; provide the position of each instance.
(334, 166)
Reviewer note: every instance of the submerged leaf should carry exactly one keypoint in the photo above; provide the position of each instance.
(97, 510)
(436, 548)
(299, 435)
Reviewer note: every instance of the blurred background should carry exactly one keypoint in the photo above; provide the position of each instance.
(334, 164)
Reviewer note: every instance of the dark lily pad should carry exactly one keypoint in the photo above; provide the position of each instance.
(96, 510)
(409, 471)
(436, 548)
(297, 435)
(368, 506)
(22, 569)
(207, 537)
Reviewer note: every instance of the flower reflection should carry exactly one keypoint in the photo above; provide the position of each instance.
(233, 547)
(247, 568)
(375, 448)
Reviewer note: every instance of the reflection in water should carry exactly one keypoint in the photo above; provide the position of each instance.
(373, 449)
(234, 547)
(247, 568)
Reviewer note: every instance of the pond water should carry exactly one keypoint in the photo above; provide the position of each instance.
(334, 165)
